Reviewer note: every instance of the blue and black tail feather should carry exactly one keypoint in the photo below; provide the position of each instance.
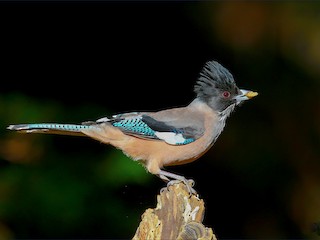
(50, 128)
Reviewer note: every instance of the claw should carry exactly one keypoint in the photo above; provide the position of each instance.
(177, 179)
(191, 182)
(163, 189)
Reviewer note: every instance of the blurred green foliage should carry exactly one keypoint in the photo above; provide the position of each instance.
(260, 180)
(58, 196)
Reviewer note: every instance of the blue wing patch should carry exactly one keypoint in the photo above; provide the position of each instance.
(147, 127)
(135, 125)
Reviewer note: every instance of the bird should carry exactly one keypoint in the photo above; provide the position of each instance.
(167, 137)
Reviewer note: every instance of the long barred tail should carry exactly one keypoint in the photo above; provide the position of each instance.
(51, 128)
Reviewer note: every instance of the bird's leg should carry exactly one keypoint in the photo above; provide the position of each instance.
(167, 180)
(166, 176)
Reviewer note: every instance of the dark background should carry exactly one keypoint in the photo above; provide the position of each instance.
(76, 61)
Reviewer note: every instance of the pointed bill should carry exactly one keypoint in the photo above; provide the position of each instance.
(245, 95)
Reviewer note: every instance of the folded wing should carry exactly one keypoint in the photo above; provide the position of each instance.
(170, 130)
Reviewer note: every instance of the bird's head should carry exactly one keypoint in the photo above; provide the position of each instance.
(218, 89)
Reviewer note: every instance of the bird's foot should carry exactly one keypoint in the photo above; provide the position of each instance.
(188, 182)
(177, 179)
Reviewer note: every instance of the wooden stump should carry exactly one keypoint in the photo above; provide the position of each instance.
(177, 216)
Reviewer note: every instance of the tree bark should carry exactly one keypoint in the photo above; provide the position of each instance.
(177, 216)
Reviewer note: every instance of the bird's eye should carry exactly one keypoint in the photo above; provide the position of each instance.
(226, 94)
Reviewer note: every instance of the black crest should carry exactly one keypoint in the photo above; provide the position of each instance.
(214, 78)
